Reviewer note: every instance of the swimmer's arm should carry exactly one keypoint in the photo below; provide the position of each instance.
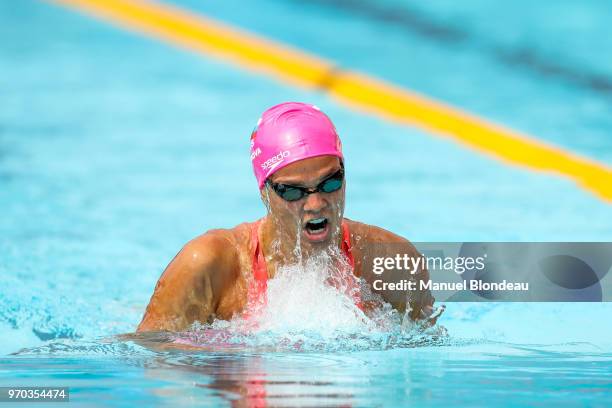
(421, 302)
(190, 287)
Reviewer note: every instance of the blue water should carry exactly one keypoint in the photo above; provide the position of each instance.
(116, 149)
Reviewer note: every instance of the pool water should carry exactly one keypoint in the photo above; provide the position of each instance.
(116, 149)
(474, 375)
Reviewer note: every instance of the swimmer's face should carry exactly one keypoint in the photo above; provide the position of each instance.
(317, 216)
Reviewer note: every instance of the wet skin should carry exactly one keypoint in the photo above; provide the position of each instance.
(209, 277)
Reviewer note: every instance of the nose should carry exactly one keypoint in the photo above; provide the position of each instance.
(315, 202)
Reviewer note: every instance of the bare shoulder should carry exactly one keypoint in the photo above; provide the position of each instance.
(219, 251)
(371, 233)
(365, 237)
(194, 282)
(215, 245)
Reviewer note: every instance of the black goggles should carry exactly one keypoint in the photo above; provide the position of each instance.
(290, 192)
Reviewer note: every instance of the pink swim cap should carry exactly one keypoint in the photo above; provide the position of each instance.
(290, 132)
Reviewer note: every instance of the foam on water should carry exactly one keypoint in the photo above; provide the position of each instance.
(312, 306)
(300, 299)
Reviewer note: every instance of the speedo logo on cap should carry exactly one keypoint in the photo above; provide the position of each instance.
(275, 160)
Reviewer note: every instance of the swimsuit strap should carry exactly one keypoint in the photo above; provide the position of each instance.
(346, 244)
(259, 284)
(260, 270)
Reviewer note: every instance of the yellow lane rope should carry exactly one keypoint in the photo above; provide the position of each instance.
(201, 34)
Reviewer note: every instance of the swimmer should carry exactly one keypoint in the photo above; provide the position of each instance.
(299, 166)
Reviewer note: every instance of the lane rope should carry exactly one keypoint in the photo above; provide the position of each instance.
(366, 93)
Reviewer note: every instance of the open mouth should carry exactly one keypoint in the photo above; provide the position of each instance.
(316, 229)
(317, 225)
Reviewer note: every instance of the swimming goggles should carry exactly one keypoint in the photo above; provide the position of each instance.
(290, 192)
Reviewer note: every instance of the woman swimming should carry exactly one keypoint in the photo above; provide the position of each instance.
(297, 158)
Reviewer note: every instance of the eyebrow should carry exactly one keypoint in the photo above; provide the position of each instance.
(297, 184)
